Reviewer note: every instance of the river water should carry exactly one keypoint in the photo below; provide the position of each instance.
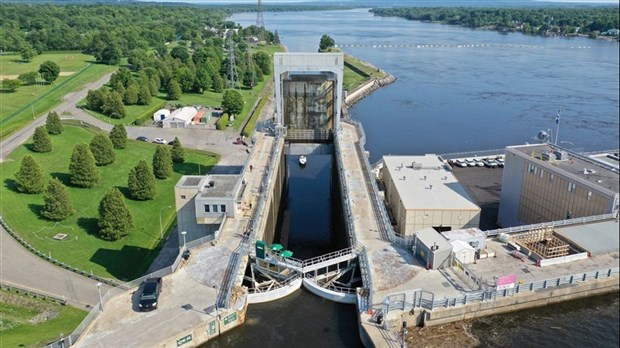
(472, 90)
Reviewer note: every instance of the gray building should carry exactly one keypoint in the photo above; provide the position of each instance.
(543, 182)
(432, 248)
(202, 203)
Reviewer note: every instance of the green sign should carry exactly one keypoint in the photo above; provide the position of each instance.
(229, 319)
(212, 328)
(182, 341)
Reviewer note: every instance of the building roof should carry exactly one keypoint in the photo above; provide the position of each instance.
(189, 181)
(185, 114)
(222, 185)
(160, 112)
(429, 236)
(423, 183)
(591, 170)
(458, 245)
(597, 238)
(464, 234)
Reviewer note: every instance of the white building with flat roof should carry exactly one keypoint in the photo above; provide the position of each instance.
(422, 192)
(180, 118)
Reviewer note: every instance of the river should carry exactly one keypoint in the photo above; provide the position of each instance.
(481, 90)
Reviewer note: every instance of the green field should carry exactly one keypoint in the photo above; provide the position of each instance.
(24, 324)
(360, 74)
(125, 259)
(19, 108)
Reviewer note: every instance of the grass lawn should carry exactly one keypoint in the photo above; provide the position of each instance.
(125, 259)
(23, 320)
(19, 108)
(357, 72)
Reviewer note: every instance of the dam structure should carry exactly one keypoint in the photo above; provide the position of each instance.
(234, 252)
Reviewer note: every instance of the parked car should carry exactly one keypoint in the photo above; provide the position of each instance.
(461, 163)
(478, 162)
(500, 162)
(150, 294)
(160, 141)
(470, 162)
(142, 138)
(490, 163)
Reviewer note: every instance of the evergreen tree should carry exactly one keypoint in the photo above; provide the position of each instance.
(141, 182)
(29, 177)
(232, 102)
(84, 172)
(113, 106)
(53, 123)
(58, 204)
(102, 150)
(217, 83)
(41, 140)
(178, 153)
(115, 219)
(131, 94)
(118, 136)
(174, 90)
(162, 162)
(144, 95)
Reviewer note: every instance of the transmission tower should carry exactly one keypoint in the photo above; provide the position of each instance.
(232, 68)
(249, 63)
(260, 21)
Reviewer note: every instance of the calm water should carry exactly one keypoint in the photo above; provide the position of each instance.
(455, 99)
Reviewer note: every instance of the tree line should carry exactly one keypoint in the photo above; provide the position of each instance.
(115, 219)
(535, 21)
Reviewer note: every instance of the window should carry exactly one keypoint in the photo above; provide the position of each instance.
(542, 173)
(223, 208)
(551, 176)
(532, 169)
(182, 196)
(571, 187)
(589, 195)
(207, 208)
(215, 208)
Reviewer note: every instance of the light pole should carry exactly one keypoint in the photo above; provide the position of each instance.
(404, 342)
(161, 227)
(183, 233)
(98, 285)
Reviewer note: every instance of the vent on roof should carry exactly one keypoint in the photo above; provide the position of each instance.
(588, 171)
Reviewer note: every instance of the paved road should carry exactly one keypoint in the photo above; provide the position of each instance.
(22, 268)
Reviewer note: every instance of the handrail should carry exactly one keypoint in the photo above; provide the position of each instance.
(398, 301)
(32, 293)
(556, 223)
(329, 256)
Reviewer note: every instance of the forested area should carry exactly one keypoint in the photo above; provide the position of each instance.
(174, 49)
(535, 21)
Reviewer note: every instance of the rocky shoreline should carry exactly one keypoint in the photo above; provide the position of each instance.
(369, 87)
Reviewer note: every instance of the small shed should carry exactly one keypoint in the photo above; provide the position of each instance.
(463, 251)
(473, 236)
(161, 115)
(432, 248)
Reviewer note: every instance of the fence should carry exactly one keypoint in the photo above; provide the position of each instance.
(243, 249)
(558, 223)
(419, 298)
(52, 260)
(32, 293)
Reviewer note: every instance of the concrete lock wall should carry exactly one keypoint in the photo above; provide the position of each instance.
(439, 316)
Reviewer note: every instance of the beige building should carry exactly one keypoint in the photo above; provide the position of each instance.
(421, 192)
(202, 202)
(542, 182)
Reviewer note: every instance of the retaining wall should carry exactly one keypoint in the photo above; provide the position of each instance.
(538, 298)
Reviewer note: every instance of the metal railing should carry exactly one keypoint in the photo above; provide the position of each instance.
(234, 265)
(354, 250)
(53, 260)
(275, 285)
(32, 293)
(557, 223)
(481, 153)
(419, 298)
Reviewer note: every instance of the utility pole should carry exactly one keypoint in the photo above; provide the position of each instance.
(260, 21)
(232, 68)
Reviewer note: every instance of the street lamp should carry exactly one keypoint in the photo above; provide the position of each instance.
(98, 285)
(183, 233)
(161, 227)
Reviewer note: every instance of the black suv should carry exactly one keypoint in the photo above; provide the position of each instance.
(150, 294)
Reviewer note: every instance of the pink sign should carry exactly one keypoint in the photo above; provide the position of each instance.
(506, 282)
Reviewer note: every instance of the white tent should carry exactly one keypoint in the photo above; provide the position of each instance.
(160, 115)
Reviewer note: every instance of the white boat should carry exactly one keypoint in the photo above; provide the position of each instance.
(302, 160)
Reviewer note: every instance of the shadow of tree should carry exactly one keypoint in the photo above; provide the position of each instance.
(37, 209)
(89, 224)
(11, 184)
(65, 178)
